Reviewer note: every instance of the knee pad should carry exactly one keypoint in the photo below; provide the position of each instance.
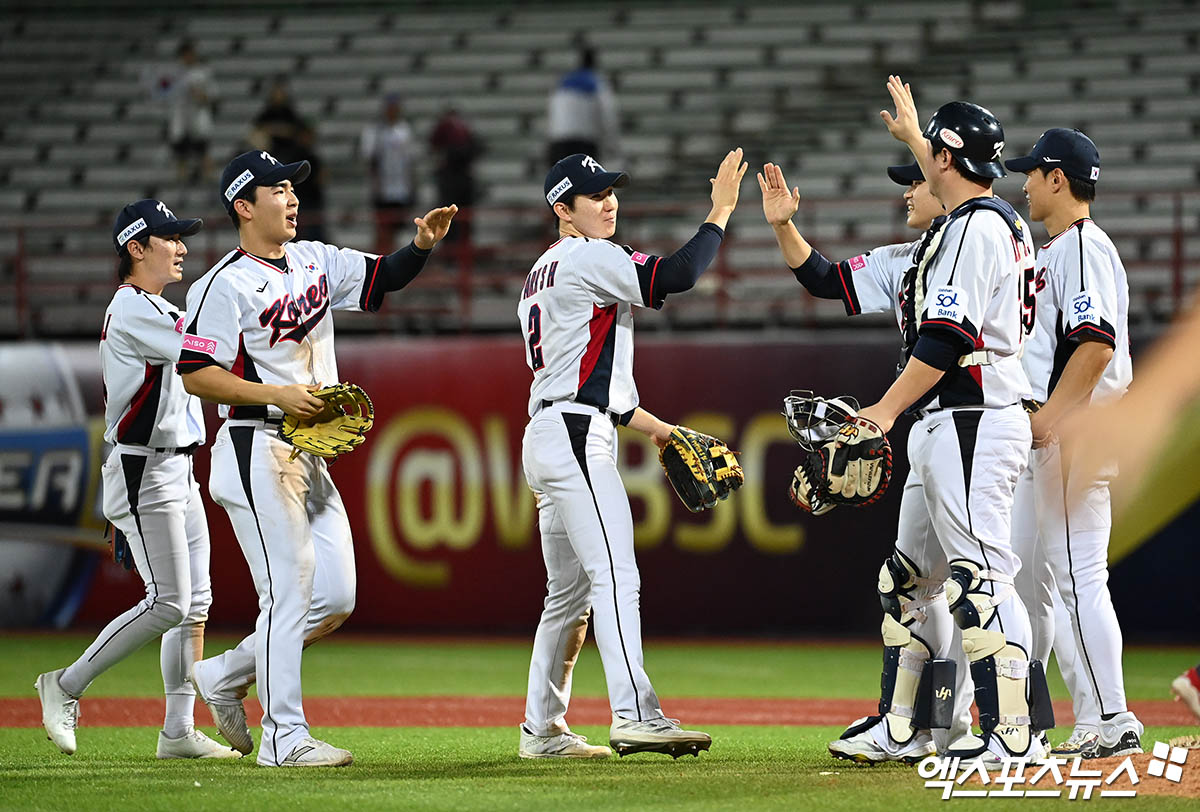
(971, 606)
(903, 593)
(1001, 672)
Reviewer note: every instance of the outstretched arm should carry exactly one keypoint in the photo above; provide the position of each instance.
(395, 270)
(779, 206)
(905, 126)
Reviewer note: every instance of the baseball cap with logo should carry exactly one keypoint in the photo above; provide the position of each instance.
(1060, 148)
(257, 168)
(144, 218)
(907, 174)
(579, 174)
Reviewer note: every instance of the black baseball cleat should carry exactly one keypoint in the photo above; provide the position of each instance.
(658, 735)
(1129, 744)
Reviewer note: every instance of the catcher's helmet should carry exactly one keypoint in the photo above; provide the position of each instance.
(812, 421)
(972, 134)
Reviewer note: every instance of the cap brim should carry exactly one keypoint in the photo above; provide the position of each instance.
(1021, 165)
(906, 175)
(184, 228)
(295, 172)
(601, 181)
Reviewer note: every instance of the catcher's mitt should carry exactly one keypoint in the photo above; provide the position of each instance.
(809, 490)
(702, 469)
(858, 463)
(340, 428)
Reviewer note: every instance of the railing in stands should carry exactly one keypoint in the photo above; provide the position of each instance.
(467, 271)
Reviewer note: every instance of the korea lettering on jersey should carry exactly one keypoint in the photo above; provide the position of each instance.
(1082, 294)
(144, 399)
(576, 313)
(968, 277)
(274, 326)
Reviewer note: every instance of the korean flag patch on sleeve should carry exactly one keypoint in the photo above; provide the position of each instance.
(1082, 310)
(948, 303)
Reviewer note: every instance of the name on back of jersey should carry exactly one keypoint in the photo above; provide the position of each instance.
(539, 278)
(948, 302)
(1083, 310)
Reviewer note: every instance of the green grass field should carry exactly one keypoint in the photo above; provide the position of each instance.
(753, 768)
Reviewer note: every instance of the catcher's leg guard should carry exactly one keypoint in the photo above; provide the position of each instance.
(1041, 710)
(916, 690)
(1000, 669)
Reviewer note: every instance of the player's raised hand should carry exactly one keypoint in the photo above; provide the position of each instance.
(728, 182)
(433, 226)
(905, 126)
(296, 399)
(779, 205)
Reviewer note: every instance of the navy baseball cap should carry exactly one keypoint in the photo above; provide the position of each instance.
(257, 168)
(146, 217)
(1060, 148)
(906, 175)
(579, 174)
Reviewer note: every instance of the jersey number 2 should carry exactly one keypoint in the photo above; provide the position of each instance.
(535, 338)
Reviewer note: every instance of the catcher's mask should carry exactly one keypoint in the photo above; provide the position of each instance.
(812, 421)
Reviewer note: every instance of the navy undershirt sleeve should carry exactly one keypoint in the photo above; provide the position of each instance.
(819, 277)
(681, 270)
(390, 273)
(938, 350)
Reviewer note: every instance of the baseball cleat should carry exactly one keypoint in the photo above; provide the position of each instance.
(1129, 744)
(858, 744)
(315, 753)
(1082, 743)
(995, 754)
(561, 745)
(1186, 688)
(230, 717)
(60, 711)
(192, 745)
(658, 735)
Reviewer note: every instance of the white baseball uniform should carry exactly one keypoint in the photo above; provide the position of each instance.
(1083, 294)
(576, 315)
(270, 321)
(966, 277)
(151, 497)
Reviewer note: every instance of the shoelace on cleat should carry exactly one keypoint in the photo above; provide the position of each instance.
(72, 713)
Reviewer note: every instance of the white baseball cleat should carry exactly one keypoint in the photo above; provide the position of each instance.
(60, 711)
(995, 754)
(657, 735)
(1186, 691)
(192, 745)
(1082, 742)
(561, 745)
(230, 717)
(858, 744)
(315, 753)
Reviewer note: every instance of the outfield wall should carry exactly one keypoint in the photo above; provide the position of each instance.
(445, 528)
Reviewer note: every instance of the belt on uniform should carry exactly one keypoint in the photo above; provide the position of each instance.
(921, 414)
(187, 449)
(613, 416)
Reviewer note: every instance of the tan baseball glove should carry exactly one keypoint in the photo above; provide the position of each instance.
(339, 429)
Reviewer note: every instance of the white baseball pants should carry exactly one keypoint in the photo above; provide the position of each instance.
(154, 500)
(569, 453)
(293, 531)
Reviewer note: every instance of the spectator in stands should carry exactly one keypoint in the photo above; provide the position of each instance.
(278, 126)
(311, 191)
(390, 150)
(582, 115)
(189, 92)
(455, 148)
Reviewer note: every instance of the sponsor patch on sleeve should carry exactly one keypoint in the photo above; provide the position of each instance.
(208, 346)
(179, 325)
(948, 303)
(639, 258)
(1083, 309)
(857, 263)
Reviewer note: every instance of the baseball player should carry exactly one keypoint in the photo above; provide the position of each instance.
(576, 315)
(150, 495)
(879, 282)
(259, 339)
(1079, 354)
(964, 308)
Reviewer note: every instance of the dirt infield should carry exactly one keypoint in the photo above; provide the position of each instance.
(485, 711)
